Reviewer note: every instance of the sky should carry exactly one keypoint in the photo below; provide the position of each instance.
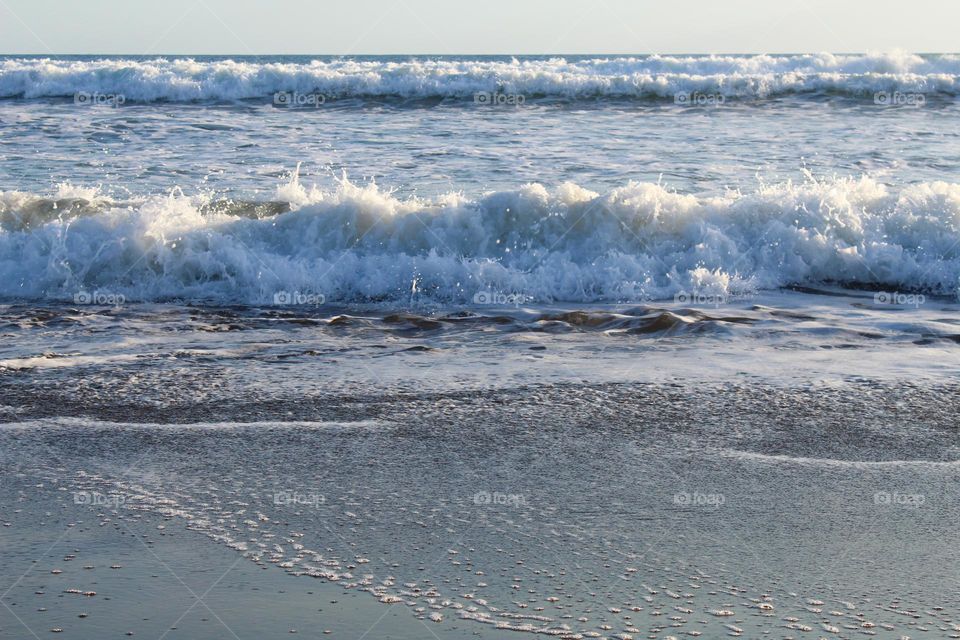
(344, 27)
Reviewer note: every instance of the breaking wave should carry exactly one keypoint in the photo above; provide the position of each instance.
(755, 76)
(355, 243)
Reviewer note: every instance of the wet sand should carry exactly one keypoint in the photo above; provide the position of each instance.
(139, 580)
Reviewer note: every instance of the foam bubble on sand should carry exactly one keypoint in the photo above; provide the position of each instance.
(238, 512)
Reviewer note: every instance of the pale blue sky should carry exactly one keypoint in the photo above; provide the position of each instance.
(491, 26)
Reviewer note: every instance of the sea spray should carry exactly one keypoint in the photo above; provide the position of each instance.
(360, 243)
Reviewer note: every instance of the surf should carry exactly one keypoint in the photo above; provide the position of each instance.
(535, 243)
(118, 81)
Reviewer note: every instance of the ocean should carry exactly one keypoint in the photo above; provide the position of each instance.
(581, 346)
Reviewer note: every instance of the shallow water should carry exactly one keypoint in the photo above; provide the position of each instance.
(570, 471)
(568, 510)
(567, 471)
(243, 151)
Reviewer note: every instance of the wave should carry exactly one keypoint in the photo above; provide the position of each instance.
(354, 243)
(108, 425)
(757, 76)
(750, 456)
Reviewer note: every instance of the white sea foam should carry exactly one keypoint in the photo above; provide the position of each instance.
(755, 76)
(361, 243)
(751, 456)
(89, 423)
